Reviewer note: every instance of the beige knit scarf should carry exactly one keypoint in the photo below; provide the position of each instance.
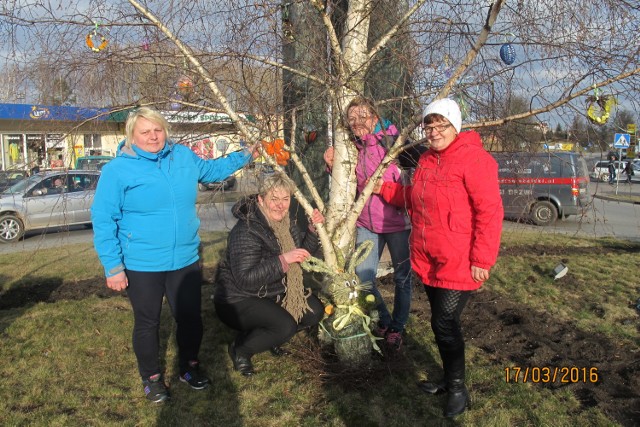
(295, 300)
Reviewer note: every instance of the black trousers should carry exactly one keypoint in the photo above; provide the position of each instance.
(183, 291)
(262, 323)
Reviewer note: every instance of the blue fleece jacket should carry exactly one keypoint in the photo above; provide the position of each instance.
(144, 211)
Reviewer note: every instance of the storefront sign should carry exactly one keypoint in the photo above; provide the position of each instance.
(52, 112)
(190, 117)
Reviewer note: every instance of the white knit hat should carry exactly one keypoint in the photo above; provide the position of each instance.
(448, 108)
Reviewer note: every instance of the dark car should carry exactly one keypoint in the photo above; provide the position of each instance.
(543, 187)
(10, 177)
(92, 163)
(225, 185)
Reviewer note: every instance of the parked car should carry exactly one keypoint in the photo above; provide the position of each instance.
(10, 177)
(93, 163)
(225, 185)
(47, 199)
(543, 187)
(601, 169)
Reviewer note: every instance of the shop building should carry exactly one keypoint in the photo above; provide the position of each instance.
(52, 137)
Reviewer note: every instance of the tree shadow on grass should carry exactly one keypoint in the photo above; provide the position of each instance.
(389, 382)
(216, 405)
(30, 290)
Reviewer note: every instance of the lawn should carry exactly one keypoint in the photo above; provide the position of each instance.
(67, 358)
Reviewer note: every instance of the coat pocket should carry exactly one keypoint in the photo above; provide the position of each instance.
(458, 223)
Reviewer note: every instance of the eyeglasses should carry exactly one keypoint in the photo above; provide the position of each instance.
(438, 128)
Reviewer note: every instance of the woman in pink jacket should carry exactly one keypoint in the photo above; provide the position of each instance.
(379, 221)
(456, 216)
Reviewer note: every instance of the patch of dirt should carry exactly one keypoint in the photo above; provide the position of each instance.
(53, 290)
(512, 335)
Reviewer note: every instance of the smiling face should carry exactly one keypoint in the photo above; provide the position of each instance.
(149, 136)
(275, 204)
(362, 120)
(439, 131)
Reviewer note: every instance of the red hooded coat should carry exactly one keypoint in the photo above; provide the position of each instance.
(456, 213)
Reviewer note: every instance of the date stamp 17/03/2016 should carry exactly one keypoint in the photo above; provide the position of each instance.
(551, 374)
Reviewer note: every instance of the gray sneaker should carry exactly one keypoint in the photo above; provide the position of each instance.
(155, 389)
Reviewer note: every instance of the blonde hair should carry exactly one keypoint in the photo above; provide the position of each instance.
(146, 113)
(276, 180)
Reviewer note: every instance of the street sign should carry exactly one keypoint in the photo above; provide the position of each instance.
(621, 140)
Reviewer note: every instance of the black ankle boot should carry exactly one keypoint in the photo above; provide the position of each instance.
(437, 387)
(241, 364)
(457, 399)
(279, 351)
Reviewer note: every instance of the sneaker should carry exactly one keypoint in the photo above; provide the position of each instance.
(380, 331)
(394, 339)
(194, 377)
(155, 389)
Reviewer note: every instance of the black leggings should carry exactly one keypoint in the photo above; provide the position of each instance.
(446, 308)
(263, 323)
(183, 290)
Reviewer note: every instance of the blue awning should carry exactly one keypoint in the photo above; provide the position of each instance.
(51, 113)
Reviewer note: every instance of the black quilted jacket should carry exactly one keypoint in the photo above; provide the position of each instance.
(251, 266)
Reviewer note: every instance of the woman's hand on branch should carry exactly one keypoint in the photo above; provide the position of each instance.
(297, 255)
(328, 156)
(253, 149)
(315, 218)
(377, 187)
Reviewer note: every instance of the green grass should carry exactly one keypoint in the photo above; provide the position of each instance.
(68, 361)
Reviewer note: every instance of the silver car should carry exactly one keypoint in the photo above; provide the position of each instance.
(48, 199)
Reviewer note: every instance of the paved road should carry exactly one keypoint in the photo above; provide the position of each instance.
(603, 218)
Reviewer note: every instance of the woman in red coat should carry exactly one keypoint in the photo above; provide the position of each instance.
(456, 216)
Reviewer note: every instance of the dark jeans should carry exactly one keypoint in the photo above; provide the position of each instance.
(398, 244)
(183, 290)
(263, 323)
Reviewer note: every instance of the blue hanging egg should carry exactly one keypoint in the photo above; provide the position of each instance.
(507, 53)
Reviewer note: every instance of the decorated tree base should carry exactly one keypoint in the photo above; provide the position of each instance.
(349, 309)
(353, 346)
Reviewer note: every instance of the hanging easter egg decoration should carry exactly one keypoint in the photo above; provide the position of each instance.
(95, 40)
(448, 70)
(599, 107)
(464, 107)
(507, 53)
(175, 102)
(310, 134)
(277, 150)
(145, 44)
(184, 86)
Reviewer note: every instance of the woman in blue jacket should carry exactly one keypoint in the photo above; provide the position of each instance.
(146, 236)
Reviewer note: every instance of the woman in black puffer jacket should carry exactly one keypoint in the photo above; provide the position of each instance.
(259, 289)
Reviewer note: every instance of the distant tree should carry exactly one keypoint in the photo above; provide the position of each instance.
(559, 133)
